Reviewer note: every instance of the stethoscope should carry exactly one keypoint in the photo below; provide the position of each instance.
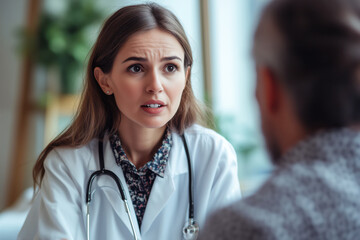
(191, 229)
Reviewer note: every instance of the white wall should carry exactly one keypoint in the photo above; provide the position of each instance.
(233, 74)
(12, 16)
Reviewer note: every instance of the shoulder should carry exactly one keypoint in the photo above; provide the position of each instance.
(235, 221)
(276, 207)
(199, 130)
(278, 194)
(205, 137)
(204, 143)
(71, 157)
(280, 209)
(260, 216)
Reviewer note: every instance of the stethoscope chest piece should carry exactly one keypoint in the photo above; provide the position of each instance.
(191, 230)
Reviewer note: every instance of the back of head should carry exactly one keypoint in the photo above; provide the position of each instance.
(313, 48)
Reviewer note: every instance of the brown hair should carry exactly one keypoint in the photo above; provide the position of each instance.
(97, 111)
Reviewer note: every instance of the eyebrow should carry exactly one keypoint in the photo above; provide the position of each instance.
(140, 59)
(171, 58)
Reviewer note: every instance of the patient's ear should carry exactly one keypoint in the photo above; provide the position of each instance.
(103, 80)
(270, 89)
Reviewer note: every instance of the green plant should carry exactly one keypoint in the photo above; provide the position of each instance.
(62, 41)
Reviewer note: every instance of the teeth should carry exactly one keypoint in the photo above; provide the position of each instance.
(153, 105)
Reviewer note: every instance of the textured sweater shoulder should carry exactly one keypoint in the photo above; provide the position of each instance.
(313, 194)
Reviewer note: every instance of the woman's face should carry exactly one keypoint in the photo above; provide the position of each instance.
(147, 79)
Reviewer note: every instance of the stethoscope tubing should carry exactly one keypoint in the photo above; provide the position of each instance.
(111, 174)
(191, 201)
(100, 172)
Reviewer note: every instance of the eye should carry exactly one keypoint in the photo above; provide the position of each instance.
(136, 68)
(170, 68)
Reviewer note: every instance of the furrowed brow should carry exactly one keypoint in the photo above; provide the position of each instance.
(171, 58)
(138, 59)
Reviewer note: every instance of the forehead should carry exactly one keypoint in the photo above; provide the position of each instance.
(153, 42)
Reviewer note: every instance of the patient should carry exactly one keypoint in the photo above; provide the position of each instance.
(307, 56)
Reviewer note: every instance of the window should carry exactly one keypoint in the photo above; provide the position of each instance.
(231, 26)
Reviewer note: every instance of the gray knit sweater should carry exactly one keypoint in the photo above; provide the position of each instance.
(313, 194)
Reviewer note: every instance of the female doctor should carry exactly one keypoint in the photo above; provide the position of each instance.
(134, 140)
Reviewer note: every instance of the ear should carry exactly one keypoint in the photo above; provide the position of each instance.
(187, 74)
(103, 80)
(269, 91)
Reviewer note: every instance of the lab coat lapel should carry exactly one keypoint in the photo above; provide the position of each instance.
(160, 194)
(114, 196)
(164, 187)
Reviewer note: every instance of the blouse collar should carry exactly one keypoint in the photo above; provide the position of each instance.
(158, 162)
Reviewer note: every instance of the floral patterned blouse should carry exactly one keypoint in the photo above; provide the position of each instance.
(140, 181)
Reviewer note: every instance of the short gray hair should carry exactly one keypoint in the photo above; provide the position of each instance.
(313, 47)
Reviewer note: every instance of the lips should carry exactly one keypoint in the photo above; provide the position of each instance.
(153, 106)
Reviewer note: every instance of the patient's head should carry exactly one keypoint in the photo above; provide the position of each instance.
(312, 50)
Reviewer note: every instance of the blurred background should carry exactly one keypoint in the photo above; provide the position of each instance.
(44, 46)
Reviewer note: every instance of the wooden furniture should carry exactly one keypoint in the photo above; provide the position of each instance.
(60, 110)
(16, 179)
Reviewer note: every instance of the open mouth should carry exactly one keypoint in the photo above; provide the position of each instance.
(152, 105)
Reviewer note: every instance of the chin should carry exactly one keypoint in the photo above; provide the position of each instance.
(154, 124)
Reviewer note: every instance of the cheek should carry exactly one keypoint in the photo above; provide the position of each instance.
(127, 90)
(126, 96)
(175, 91)
(260, 102)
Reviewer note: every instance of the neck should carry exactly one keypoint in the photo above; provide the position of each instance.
(287, 128)
(140, 143)
(355, 127)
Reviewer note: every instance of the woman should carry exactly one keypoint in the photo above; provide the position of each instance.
(136, 107)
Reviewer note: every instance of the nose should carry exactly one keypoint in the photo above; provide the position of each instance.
(154, 84)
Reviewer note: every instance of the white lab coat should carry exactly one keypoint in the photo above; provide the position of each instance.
(59, 210)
